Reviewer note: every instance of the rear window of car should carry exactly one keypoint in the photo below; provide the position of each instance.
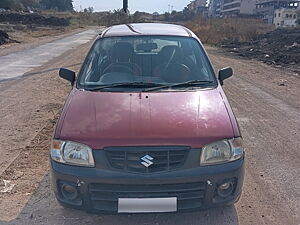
(151, 59)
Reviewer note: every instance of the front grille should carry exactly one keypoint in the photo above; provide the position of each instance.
(130, 159)
(104, 197)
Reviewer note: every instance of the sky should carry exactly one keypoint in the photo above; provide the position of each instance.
(134, 5)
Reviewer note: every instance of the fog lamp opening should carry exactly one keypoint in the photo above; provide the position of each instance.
(69, 192)
(225, 189)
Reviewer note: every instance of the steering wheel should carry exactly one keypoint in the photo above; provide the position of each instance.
(130, 68)
(175, 72)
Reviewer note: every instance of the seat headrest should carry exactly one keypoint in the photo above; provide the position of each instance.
(171, 50)
(122, 52)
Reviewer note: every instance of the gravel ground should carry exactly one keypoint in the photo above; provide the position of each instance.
(264, 99)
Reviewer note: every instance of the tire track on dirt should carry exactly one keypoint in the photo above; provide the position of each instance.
(29, 102)
(271, 128)
(268, 144)
(259, 194)
(26, 172)
(27, 122)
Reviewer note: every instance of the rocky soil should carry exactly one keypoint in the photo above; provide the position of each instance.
(33, 18)
(280, 47)
(4, 38)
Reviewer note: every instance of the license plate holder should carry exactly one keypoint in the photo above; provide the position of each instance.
(147, 205)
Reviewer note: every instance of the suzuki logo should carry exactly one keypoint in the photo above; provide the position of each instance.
(147, 161)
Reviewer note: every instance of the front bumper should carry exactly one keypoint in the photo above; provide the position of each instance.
(195, 188)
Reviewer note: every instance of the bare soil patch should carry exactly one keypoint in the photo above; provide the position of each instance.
(29, 109)
(33, 18)
(18, 28)
(26, 171)
(280, 47)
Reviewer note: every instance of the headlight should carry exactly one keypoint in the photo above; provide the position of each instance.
(222, 152)
(72, 153)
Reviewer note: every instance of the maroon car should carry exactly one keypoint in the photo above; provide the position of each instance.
(147, 127)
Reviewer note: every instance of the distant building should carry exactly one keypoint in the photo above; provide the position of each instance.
(285, 17)
(237, 7)
(201, 3)
(196, 5)
(266, 8)
(203, 10)
(226, 8)
(214, 9)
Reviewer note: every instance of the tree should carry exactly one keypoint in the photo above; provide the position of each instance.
(167, 16)
(90, 9)
(10, 4)
(60, 5)
(30, 3)
(173, 13)
(18, 4)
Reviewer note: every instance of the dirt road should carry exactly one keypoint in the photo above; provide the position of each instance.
(16, 64)
(266, 103)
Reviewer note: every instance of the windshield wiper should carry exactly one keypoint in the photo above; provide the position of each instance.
(183, 84)
(125, 84)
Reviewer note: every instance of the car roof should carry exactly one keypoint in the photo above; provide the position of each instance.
(136, 29)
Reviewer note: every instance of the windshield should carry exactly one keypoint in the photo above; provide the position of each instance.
(149, 60)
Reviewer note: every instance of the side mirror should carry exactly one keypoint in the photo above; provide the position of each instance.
(67, 75)
(224, 74)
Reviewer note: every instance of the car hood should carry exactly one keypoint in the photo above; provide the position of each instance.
(102, 119)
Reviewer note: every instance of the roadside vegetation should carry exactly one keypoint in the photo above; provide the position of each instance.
(88, 17)
(19, 24)
(22, 20)
(175, 16)
(59, 5)
(217, 31)
(251, 38)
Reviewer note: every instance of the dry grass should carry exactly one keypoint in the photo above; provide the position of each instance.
(215, 31)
